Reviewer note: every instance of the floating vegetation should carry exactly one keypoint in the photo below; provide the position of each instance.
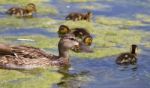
(20, 79)
(143, 17)
(79, 0)
(46, 9)
(27, 23)
(112, 21)
(40, 41)
(95, 6)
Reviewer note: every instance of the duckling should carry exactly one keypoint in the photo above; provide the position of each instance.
(27, 11)
(84, 35)
(28, 57)
(63, 29)
(75, 16)
(87, 16)
(129, 58)
(79, 33)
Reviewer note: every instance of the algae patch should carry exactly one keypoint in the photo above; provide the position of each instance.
(19, 79)
(95, 6)
(39, 41)
(112, 21)
(27, 23)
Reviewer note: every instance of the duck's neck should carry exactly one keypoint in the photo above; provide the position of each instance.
(63, 54)
(133, 50)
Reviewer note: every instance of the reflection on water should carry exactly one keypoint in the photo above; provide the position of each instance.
(72, 80)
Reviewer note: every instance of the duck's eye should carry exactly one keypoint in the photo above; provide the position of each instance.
(72, 39)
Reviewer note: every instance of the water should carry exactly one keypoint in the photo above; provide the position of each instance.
(97, 72)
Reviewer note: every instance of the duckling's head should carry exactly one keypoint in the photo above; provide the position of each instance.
(63, 29)
(68, 41)
(133, 48)
(31, 7)
(87, 40)
(80, 32)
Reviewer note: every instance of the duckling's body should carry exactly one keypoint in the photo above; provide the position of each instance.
(81, 33)
(128, 58)
(22, 12)
(27, 57)
(75, 16)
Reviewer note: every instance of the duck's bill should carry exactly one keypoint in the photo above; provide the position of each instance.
(82, 48)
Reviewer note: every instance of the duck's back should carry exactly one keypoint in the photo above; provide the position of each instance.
(26, 57)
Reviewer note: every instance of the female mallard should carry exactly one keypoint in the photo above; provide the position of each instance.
(79, 16)
(80, 33)
(27, 57)
(128, 58)
(27, 11)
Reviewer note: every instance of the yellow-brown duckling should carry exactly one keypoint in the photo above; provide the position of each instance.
(128, 58)
(27, 11)
(75, 16)
(80, 33)
(28, 57)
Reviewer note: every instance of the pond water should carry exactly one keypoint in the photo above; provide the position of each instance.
(90, 72)
(95, 73)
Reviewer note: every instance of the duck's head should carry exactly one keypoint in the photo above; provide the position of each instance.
(31, 7)
(68, 41)
(133, 49)
(63, 29)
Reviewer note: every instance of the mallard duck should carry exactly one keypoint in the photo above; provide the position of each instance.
(27, 11)
(28, 57)
(80, 33)
(128, 58)
(75, 16)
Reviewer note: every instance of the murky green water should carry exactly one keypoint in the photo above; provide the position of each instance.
(116, 25)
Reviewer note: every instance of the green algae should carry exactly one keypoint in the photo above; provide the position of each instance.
(18, 79)
(95, 6)
(112, 21)
(39, 40)
(46, 9)
(143, 17)
(27, 23)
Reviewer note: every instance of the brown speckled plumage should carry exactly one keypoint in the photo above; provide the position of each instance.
(75, 16)
(27, 57)
(22, 12)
